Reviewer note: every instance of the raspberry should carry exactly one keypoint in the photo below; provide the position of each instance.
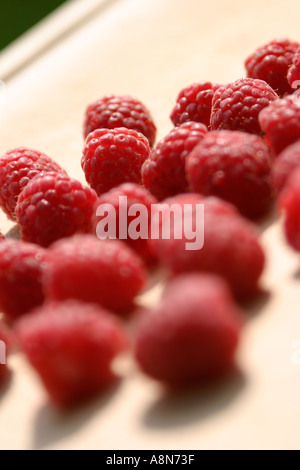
(54, 206)
(194, 104)
(231, 247)
(192, 336)
(113, 157)
(134, 194)
(21, 270)
(281, 123)
(289, 203)
(294, 71)
(285, 164)
(104, 272)
(236, 106)
(17, 168)
(120, 111)
(71, 345)
(164, 171)
(234, 166)
(271, 63)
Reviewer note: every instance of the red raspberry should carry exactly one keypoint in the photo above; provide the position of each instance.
(194, 104)
(289, 203)
(120, 111)
(285, 164)
(54, 206)
(231, 247)
(234, 166)
(293, 75)
(113, 157)
(71, 345)
(134, 194)
(281, 123)
(17, 168)
(21, 270)
(236, 106)
(271, 63)
(104, 272)
(164, 171)
(192, 336)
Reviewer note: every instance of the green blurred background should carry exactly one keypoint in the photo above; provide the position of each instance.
(19, 15)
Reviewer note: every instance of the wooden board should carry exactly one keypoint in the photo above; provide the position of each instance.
(151, 49)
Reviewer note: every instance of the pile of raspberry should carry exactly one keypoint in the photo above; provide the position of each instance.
(71, 292)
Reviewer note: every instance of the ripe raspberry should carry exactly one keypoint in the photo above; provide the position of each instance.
(21, 270)
(281, 123)
(17, 168)
(271, 63)
(236, 106)
(113, 157)
(194, 104)
(234, 166)
(192, 336)
(71, 345)
(289, 203)
(122, 199)
(120, 111)
(104, 272)
(164, 171)
(285, 164)
(293, 75)
(231, 247)
(54, 206)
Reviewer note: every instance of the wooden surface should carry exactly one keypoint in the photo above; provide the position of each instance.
(151, 49)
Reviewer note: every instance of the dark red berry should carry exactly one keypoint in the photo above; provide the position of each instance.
(289, 203)
(285, 165)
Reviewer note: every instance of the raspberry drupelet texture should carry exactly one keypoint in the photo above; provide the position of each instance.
(271, 63)
(231, 246)
(293, 75)
(54, 206)
(123, 199)
(289, 203)
(163, 173)
(285, 165)
(194, 104)
(281, 123)
(112, 157)
(120, 111)
(106, 272)
(234, 166)
(192, 336)
(21, 271)
(71, 346)
(17, 168)
(237, 105)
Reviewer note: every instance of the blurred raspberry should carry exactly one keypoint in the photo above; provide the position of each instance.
(281, 123)
(163, 173)
(234, 166)
(192, 336)
(293, 75)
(134, 194)
(21, 270)
(289, 203)
(194, 104)
(285, 165)
(113, 157)
(104, 272)
(271, 63)
(236, 106)
(54, 206)
(17, 168)
(231, 247)
(71, 345)
(120, 111)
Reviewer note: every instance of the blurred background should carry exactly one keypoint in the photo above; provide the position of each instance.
(17, 16)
